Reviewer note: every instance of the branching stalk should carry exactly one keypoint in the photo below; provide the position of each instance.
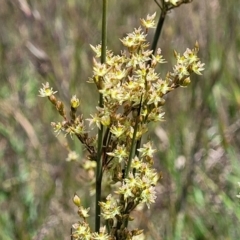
(139, 93)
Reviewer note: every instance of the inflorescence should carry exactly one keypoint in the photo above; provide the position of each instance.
(133, 95)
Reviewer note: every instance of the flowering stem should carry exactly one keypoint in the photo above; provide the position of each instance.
(154, 46)
(100, 131)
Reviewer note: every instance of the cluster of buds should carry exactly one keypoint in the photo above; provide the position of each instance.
(81, 230)
(74, 126)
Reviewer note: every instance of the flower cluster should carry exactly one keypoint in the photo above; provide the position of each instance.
(133, 94)
(139, 187)
(81, 230)
(186, 64)
(110, 208)
(74, 126)
(129, 82)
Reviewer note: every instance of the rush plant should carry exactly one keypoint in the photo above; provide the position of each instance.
(131, 96)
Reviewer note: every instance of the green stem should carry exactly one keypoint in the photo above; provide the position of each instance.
(133, 144)
(159, 28)
(132, 150)
(104, 31)
(100, 131)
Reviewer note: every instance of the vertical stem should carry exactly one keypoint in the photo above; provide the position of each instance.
(132, 150)
(100, 131)
(133, 144)
(71, 233)
(159, 28)
(104, 31)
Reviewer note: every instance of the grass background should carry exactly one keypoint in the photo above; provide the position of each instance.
(198, 144)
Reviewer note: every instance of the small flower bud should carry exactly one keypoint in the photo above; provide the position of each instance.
(196, 47)
(75, 102)
(105, 120)
(101, 84)
(53, 99)
(130, 218)
(175, 53)
(77, 200)
(136, 232)
(60, 108)
(186, 82)
(161, 102)
(135, 112)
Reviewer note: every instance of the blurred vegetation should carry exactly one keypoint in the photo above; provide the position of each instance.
(199, 143)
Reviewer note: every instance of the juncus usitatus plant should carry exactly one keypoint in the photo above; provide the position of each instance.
(132, 96)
